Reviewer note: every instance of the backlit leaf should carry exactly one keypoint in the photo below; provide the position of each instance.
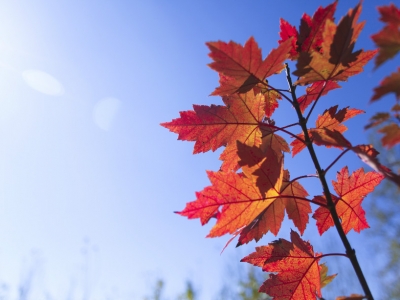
(242, 67)
(390, 84)
(298, 273)
(351, 190)
(337, 60)
(391, 135)
(331, 119)
(215, 126)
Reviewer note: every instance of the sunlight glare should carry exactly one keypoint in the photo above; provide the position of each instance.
(105, 111)
(43, 82)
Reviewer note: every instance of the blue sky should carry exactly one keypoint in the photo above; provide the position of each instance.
(88, 179)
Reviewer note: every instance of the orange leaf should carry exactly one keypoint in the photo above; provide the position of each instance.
(310, 37)
(329, 138)
(292, 197)
(325, 279)
(392, 135)
(390, 14)
(311, 30)
(390, 84)
(337, 60)
(237, 199)
(388, 39)
(377, 119)
(388, 42)
(271, 102)
(214, 126)
(352, 191)
(289, 32)
(242, 67)
(331, 119)
(297, 267)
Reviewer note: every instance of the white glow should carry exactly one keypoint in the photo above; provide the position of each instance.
(105, 111)
(43, 82)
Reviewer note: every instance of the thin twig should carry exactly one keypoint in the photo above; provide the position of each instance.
(350, 252)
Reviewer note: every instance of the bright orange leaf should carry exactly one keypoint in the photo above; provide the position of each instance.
(390, 84)
(351, 190)
(297, 267)
(237, 199)
(242, 67)
(392, 135)
(337, 60)
(311, 28)
(215, 126)
(388, 39)
(331, 119)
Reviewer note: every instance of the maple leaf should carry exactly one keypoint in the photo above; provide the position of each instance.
(388, 42)
(390, 84)
(291, 197)
(289, 32)
(297, 267)
(311, 30)
(242, 67)
(351, 190)
(325, 278)
(271, 102)
(377, 119)
(390, 14)
(337, 60)
(214, 126)
(388, 39)
(392, 135)
(331, 119)
(310, 37)
(313, 92)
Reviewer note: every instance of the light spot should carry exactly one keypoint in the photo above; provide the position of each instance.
(43, 82)
(105, 111)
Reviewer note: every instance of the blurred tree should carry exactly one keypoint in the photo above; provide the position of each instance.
(385, 207)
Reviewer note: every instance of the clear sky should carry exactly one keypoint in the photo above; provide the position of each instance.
(88, 179)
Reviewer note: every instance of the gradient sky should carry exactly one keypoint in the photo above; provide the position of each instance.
(89, 180)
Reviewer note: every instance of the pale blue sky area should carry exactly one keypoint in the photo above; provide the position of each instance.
(89, 180)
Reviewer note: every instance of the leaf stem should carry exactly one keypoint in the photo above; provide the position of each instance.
(337, 158)
(332, 254)
(282, 129)
(315, 102)
(279, 92)
(350, 252)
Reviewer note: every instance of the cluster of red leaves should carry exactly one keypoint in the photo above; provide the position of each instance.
(251, 192)
(388, 42)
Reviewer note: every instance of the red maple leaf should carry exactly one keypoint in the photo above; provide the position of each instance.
(351, 190)
(392, 135)
(337, 60)
(388, 42)
(242, 67)
(311, 28)
(390, 84)
(237, 199)
(291, 197)
(297, 267)
(216, 126)
(331, 119)
(388, 39)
